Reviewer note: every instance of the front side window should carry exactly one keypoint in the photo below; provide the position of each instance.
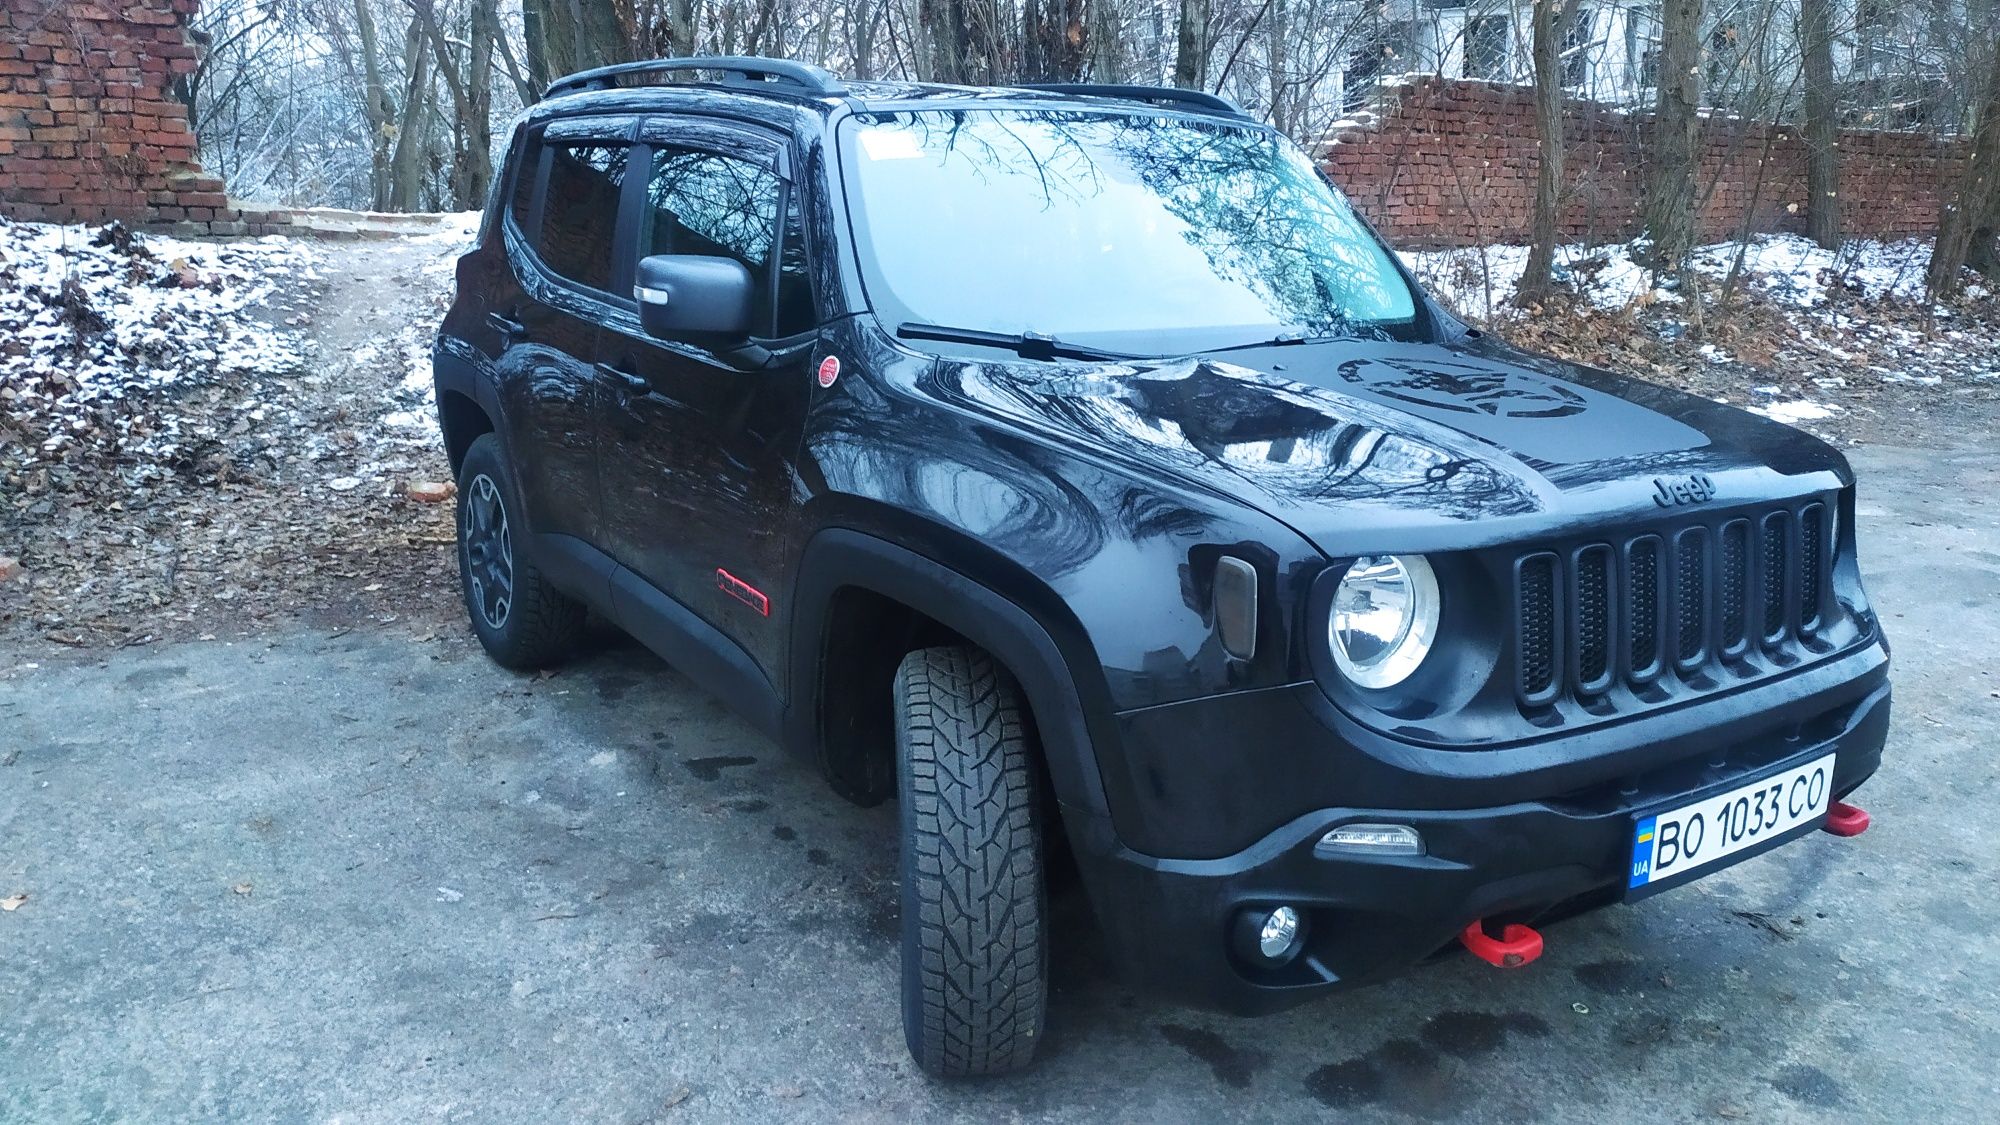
(580, 211)
(714, 205)
(1132, 233)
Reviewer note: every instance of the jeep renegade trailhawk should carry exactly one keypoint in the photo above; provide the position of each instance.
(1072, 465)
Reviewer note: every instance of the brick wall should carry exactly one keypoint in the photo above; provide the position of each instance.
(1453, 163)
(89, 126)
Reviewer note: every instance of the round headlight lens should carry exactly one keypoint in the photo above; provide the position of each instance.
(1385, 615)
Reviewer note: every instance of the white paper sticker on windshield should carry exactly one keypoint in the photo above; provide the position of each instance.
(890, 144)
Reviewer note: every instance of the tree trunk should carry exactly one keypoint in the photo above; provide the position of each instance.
(862, 18)
(1055, 40)
(375, 107)
(1552, 20)
(406, 166)
(1970, 204)
(1669, 213)
(476, 168)
(565, 36)
(944, 48)
(1191, 46)
(1821, 123)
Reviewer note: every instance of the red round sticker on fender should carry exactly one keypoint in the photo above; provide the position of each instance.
(829, 370)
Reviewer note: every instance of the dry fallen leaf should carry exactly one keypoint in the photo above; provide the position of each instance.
(241, 888)
(677, 1097)
(13, 902)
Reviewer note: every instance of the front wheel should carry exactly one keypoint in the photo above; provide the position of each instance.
(975, 945)
(521, 619)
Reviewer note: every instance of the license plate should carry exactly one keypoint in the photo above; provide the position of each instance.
(1677, 842)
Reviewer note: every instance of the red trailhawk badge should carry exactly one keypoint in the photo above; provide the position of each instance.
(829, 370)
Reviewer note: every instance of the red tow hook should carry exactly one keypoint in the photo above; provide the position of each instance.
(1846, 820)
(1515, 947)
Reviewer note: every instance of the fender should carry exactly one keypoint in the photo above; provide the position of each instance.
(458, 368)
(1071, 732)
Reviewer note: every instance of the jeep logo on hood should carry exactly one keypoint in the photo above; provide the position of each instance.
(1502, 392)
(1695, 488)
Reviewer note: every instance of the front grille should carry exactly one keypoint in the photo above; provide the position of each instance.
(1592, 615)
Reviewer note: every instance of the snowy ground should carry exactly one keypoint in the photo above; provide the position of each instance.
(194, 435)
(1805, 335)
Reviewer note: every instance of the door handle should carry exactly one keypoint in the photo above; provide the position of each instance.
(505, 325)
(633, 384)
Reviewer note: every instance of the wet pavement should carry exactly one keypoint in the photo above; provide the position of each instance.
(371, 877)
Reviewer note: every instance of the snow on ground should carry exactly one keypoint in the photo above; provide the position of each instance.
(98, 327)
(182, 422)
(1833, 323)
(1784, 267)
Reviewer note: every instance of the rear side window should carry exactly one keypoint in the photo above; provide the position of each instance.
(580, 211)
(521, 205)
(722, 206)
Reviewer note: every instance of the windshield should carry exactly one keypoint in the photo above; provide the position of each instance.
(1128, 232)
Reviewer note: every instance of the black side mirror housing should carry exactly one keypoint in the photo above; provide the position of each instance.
(692, 296)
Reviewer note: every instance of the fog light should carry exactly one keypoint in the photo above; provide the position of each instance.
(1370, 839)
(1270, 937)
(1280, 930)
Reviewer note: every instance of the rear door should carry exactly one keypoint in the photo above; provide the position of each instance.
(561, 233)
(699, 452)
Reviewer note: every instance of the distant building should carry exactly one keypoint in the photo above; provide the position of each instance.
(1884, 57)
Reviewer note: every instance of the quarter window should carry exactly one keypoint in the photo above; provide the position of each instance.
(580, 211)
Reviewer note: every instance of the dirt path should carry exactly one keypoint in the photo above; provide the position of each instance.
(301, 513)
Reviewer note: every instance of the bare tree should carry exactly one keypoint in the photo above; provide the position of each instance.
(1191, 45)
(1055, 40)
(1553, 19)
(1968, 206)
(1820, 122)
(565, 36)
(1670, 190)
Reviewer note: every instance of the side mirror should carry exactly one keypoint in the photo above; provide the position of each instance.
(690, 295)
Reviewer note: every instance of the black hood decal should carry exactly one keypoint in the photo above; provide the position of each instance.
(1542, 420)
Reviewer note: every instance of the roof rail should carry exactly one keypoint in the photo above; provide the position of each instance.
(1197, 100)
(738, 71)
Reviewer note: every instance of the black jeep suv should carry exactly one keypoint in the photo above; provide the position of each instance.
(1072, 465)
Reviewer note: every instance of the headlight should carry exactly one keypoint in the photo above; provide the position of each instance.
(1385, 615)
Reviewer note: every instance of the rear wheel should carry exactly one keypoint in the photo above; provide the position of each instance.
(522, 620)
(975, 949)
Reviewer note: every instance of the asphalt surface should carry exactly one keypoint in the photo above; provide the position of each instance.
(367, 876)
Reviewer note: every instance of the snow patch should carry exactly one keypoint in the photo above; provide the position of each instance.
(1792, 413)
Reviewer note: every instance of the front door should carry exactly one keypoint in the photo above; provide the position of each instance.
(698, 452)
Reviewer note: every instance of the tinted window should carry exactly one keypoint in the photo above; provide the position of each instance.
(721, 206)
(521, 204)
(580, 211)
(1134, 233)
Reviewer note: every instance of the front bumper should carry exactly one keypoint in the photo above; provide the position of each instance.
(1168, 920)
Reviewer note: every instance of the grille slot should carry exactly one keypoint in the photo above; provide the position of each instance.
(1535, 602)
(1642, 569)
(1733, 578)
(1593, 619)
(1812, 527)
(1774, 558)
(1592, 616)
(1691, 595)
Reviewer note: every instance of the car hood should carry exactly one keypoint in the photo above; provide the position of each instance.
(1373, 446)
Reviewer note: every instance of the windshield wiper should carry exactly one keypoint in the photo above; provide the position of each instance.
(1028, 345)
(1278, 341)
